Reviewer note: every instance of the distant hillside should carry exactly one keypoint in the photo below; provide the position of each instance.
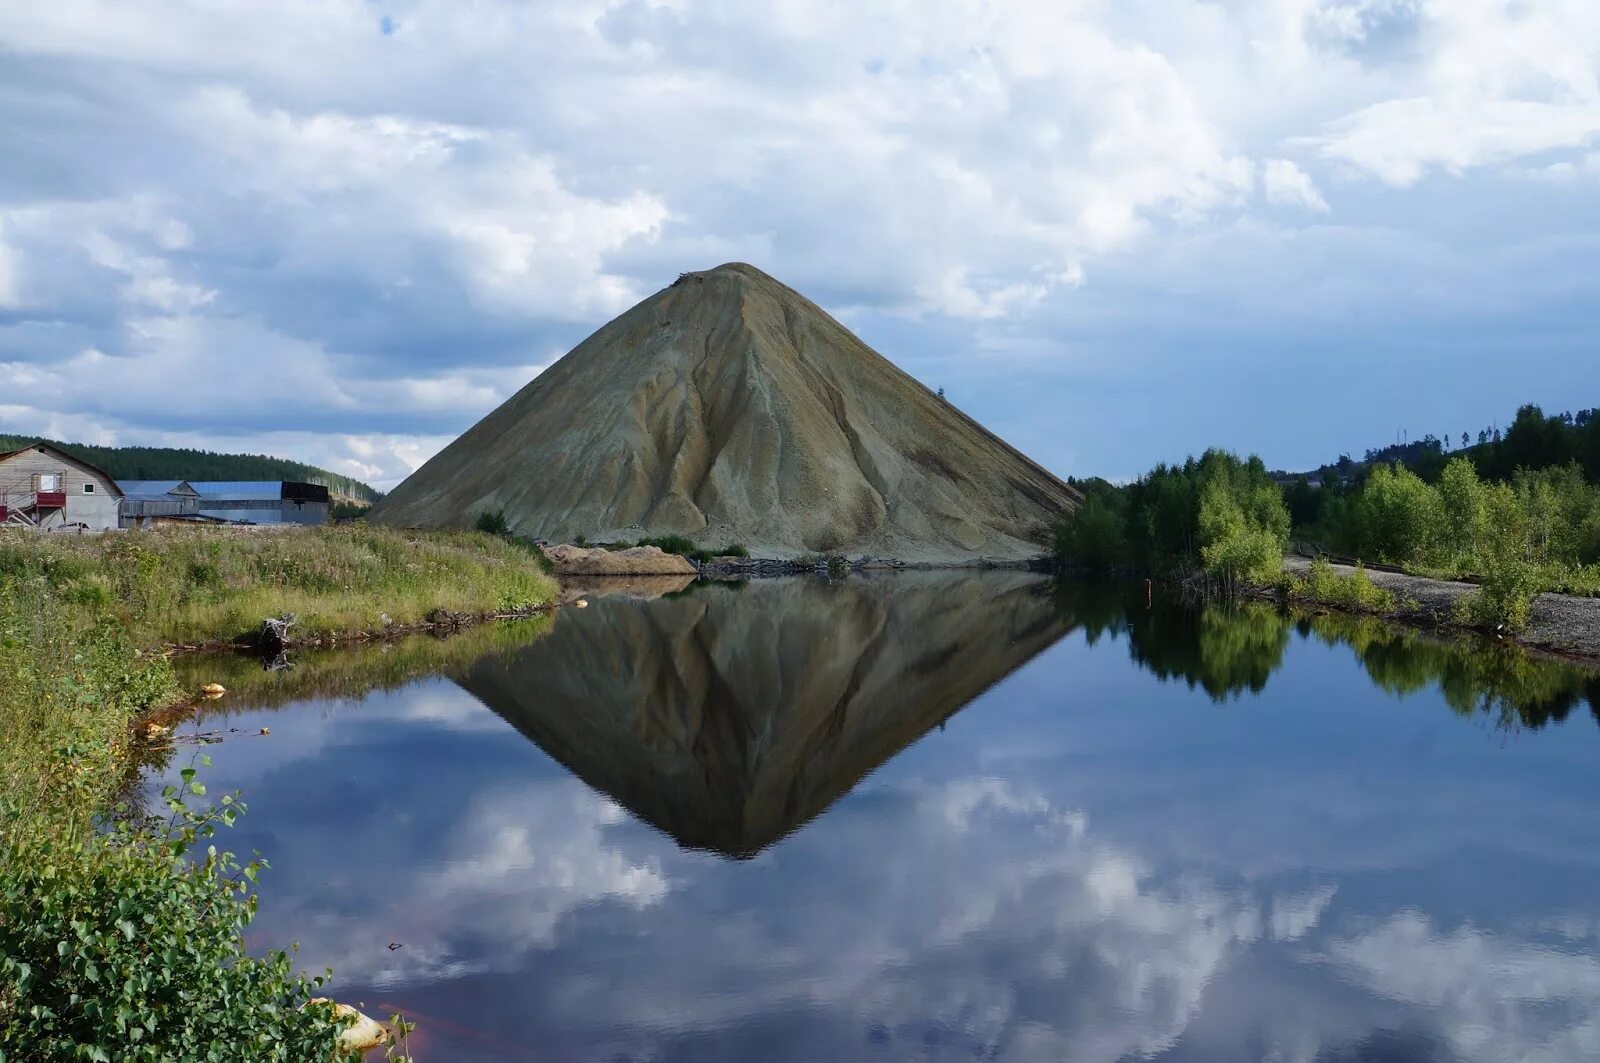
(1534, 440)
(176, 463)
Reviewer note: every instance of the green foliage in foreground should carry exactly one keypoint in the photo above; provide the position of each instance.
(69, 679)
(118, 947)
(1218, 513)
(185, 585)
(123, 944)
(112, 945)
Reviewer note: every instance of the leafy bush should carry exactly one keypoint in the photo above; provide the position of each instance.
(1353, 590)
(1510, 584)
(1398, 517)
(493, 522)
(670, 544)
(116, 947)
(731, 550)
(1218, 512)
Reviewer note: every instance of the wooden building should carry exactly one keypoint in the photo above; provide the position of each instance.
(152, 503)
(48, 489)
(263, 502)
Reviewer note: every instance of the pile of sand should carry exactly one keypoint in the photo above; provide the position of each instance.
(729, 408)
(635, 561)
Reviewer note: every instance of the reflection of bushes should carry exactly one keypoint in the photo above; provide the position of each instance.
(1227, 651)
(1497, 680)
(352, 670)
(1223, 649)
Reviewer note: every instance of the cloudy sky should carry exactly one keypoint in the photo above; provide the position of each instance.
(1116, 230)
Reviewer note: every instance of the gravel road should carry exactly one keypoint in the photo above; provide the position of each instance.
(1560, 624)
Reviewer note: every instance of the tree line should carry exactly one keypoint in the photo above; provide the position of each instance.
(1520, 515)
(182, 463)
(1535, 440)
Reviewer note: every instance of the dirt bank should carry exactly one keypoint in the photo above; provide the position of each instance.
(1560, 623)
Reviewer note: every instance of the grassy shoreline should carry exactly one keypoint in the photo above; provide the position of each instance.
(156, 966)
(178, 587)
(1560, 625)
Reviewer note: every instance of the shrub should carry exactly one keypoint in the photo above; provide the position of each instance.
(1399, 518)
(1510, 584)
(494, 522)
(119, 948)
(1095, 534)
(670, 544)
(1354, 590)
(1219, 511)
(731, 550)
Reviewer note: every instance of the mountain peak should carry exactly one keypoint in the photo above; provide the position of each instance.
(757, 420)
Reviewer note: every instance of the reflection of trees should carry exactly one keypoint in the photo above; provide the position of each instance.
(1224, 650)
(1228, 650)
(1513, 687)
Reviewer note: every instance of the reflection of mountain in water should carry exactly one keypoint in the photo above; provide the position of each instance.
(728, 718)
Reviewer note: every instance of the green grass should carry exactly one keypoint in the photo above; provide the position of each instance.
(112, 945)
(186, 586)
(122, 943)
(684, 547)
(72, 684)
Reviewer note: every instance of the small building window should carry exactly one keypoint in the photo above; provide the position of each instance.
(88, 489)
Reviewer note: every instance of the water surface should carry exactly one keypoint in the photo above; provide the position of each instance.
(934, 817)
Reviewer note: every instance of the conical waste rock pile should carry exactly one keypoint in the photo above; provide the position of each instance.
(728, 408)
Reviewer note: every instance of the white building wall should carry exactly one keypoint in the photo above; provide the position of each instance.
(98, 507)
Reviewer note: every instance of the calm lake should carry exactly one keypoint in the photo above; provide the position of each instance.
(931, 816)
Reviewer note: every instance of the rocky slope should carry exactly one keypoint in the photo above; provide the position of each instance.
(729, 408)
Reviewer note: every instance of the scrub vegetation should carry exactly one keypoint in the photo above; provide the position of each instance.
(1218, 515)
(114, 945)
(1226, 520)
(121, 935)
(684, 547)
(185, 586)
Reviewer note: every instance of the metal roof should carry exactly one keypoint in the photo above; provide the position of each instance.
(149, 489)
(262, 489)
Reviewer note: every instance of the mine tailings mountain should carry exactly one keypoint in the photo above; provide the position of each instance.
(729, 408)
